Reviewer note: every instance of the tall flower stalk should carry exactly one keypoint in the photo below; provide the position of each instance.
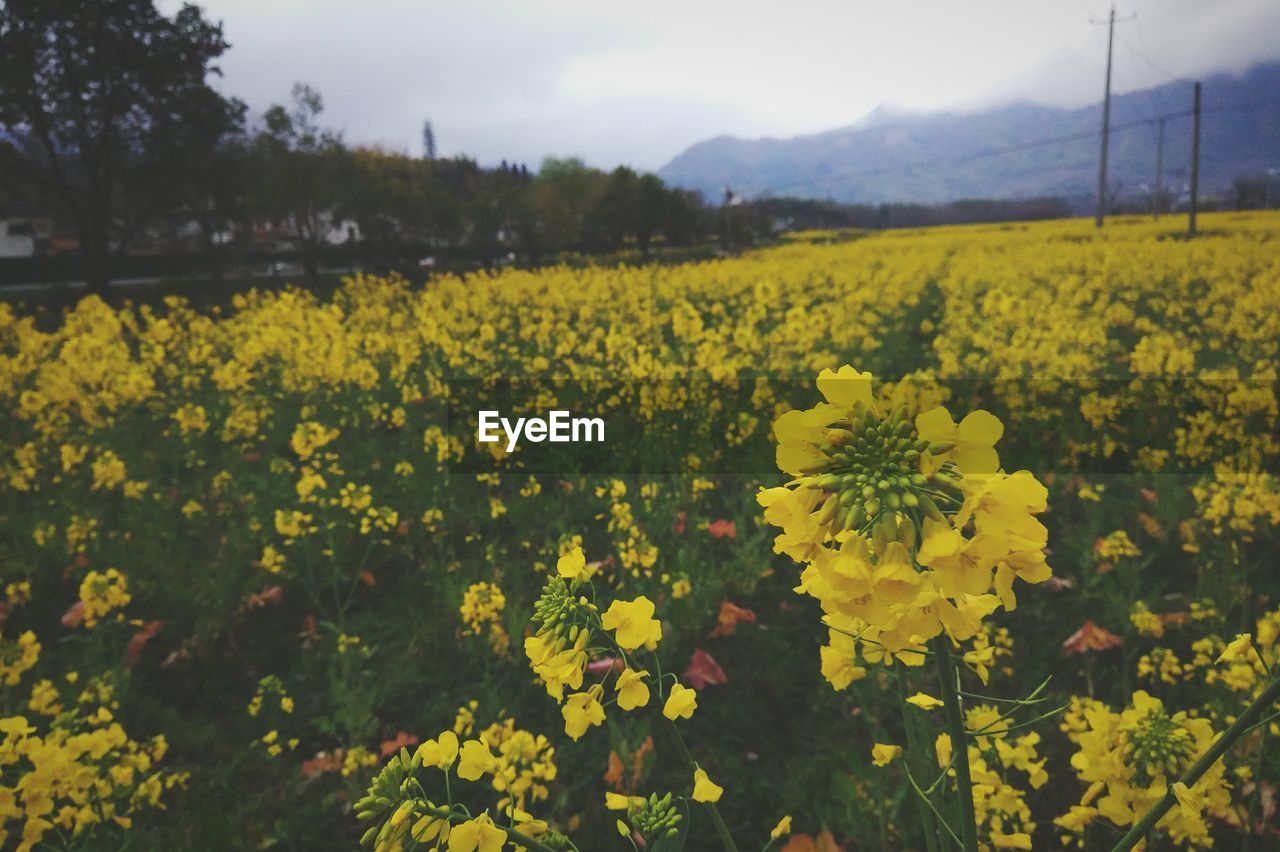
(911, 535)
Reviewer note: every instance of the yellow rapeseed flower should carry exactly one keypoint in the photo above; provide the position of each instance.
(582, 710)
(1239, 647)
(704, 789)
(477, 835)
(681, 702)
(632, 691)
(883, 755)
(633, 623)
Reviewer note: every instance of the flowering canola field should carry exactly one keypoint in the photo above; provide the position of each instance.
(952, 538)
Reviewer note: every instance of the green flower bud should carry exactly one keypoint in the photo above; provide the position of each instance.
(930, 508)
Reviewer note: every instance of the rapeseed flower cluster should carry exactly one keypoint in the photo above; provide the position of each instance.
(481, 612)
(561, 648)
(525, 762)
(80, 772)
(103, 593)
(404, 813)
(1131, 758)
(907, 529)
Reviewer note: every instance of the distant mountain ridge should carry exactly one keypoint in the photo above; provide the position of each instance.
(894, 156)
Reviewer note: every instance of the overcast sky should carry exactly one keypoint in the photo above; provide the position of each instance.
(636, 83)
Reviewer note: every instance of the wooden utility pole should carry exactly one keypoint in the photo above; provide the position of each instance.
(1195, 161)
(728, 219)
(1106, 117)
(1155, 201)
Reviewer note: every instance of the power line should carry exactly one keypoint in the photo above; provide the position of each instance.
(1008, 149)
(1174, 78)
(1145, 57)
(924, 165)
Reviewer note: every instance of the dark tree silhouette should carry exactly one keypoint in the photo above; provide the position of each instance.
(105, 106)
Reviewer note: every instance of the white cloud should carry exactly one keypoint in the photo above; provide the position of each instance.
(637, 83)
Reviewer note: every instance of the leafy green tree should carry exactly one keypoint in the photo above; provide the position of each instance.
(615, 216)
(215, 199)
(453, 185)
(651, 203)
(564, 192)
(105, 107)
(684, 217)
(302, 173)
(388, 197)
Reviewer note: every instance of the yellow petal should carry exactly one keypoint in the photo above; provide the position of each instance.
(883, 755)
(980, 427)
(923, 701)
(795, 459)
(571, 564)
(846, 387)
(704, 789)
(975, 458)
(936, 425)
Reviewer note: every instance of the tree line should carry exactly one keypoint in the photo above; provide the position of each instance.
(108, 121)
(110, 126)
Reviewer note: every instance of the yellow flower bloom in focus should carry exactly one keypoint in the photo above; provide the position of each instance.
(1191, 803)
(633, 692)
(680, 703)
(846, 387)
(476, 760)
(783, 827)
(582, 710)
(440, 752)
(633, 623)
(572, 566)
(704, 789)
(477, 835)
(883, 755)
(838, 661)
(1020, 840)
(974, 439)
(428, 827)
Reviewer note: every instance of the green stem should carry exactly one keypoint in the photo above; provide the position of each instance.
(959, 742)
(985, 731)
(924, 797)
(722, 830)
(1224, 741)
(915, 752)
(1255, 800)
